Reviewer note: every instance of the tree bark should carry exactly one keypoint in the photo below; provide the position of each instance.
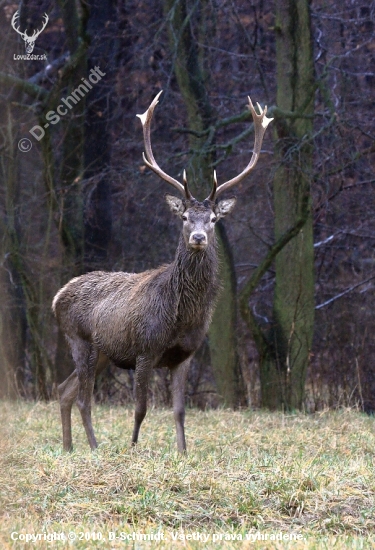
(13, 327)
(97, 151)
(191, 78)
(71, 226)
(283, 370)
(71, 174)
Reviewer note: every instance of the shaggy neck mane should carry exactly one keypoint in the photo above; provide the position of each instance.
(195, 276)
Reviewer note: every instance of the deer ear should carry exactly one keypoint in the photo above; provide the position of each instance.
(224, 207)
(176, 205)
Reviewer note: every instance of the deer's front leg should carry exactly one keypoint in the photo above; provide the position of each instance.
(179, 375)
(143, 371)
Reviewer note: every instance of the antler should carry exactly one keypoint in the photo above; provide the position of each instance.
(148, 156)
(260, 125)
(37, 33)
(13, 23)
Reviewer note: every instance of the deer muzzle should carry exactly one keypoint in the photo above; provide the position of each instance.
(198, 239)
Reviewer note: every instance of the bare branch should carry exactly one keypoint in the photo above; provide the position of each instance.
(341, 294)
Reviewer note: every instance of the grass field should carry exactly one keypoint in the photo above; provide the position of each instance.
(249, 479)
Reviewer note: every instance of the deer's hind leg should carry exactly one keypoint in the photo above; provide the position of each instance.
(79, 387)
(94, 363)
(68, 392)
(143, 371)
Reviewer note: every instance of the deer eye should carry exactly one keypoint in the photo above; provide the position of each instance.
(184, 218)
(213, 220)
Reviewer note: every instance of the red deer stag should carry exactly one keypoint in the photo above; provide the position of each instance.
(157, 318)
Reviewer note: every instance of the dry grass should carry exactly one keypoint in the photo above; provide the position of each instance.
(247, 473)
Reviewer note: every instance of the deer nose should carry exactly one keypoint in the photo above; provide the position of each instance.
(198, 239)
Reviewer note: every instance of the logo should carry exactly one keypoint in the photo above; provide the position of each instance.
(29, 40)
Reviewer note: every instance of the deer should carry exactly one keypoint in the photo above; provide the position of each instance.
(157, 318)
(29, 40)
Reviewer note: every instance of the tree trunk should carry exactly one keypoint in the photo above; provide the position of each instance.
(12, 333)
(97, 153)
(71, 173)
(71, 225)
(283, 371)
(189, 71)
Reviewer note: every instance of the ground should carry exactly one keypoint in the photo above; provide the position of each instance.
(251, 479)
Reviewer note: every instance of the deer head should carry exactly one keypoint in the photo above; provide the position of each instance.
(29, 40)
(199, 218)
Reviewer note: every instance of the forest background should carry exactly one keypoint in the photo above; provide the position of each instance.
(294, 322)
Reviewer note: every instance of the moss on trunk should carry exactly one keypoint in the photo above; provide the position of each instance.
(191, 78)
(283, 372)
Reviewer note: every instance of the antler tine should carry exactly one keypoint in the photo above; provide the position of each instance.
(36, 32)
(212, 195)
(188, 195)
(148, 156)
(13, 23)
(260, 125)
